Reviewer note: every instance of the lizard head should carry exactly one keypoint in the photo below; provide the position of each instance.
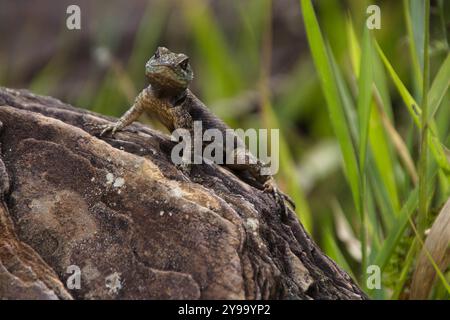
(169, 71)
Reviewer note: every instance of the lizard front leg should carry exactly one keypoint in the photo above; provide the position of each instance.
(183, 120)
(129, 117)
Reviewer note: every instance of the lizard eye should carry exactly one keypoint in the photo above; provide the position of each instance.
(184, 64)
(157, 54)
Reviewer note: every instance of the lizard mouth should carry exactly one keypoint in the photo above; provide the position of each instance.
(162, 75)
(153, 69)
(159, 65)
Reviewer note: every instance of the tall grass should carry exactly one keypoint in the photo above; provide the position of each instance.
(400, 231)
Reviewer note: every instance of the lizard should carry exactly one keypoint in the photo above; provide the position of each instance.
(169, 100)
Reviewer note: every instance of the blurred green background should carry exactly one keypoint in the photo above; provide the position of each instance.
(349, 142)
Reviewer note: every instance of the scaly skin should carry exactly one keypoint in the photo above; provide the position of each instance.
(168, 99)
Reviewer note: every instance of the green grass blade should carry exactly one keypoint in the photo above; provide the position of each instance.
(424, 133)
(415, 112)
(381, 197)
(364, 97)
(403, 276)
(384, 160)
(353, 44)
(374, 227)
(397, 231)
(418, 29)
(323, 59)
(382, 154)
(346, 99)
(327, 79)
(336, 111)
(408, 99)
(416, 68)
(439, 87)
(441, 6)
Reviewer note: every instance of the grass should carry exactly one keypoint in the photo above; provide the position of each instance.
(382, 95)
(399, 232)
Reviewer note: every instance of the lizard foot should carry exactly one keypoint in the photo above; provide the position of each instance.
(103, 128)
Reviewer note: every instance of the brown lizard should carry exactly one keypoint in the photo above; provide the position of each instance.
(168, 99)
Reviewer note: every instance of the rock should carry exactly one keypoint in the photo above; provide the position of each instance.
(134, 225)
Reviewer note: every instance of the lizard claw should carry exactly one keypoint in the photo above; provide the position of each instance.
(103, 127)
(108, 127)
(184, 167)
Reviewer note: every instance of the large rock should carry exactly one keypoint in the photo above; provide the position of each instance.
(135, 226)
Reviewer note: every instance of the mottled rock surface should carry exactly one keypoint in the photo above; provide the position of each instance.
(138, 228)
